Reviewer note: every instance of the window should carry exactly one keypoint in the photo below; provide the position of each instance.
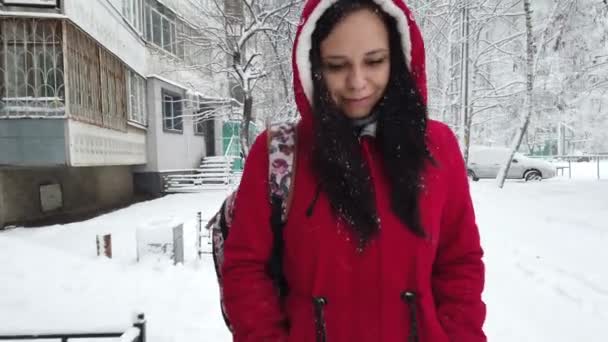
(31, 67)
(84, 76)
(132, 10)
(172, 112)
(136, 88)
(98, 82)
(161, 28)
(113, 90)
(155, 35)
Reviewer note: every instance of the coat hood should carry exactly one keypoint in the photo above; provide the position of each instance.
(411, 44)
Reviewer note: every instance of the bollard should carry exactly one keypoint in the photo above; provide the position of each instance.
(199, 234)
(104, 245)
(178, 244)
(141, 325)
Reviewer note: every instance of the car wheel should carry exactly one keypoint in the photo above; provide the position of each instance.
(533, 175)
(472, 175)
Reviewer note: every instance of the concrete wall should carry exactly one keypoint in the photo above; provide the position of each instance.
(198, 79)
(102, 20)
(148, 183)
(170, 150)
(2, 205)
(32, 142)
(151, 142)
(84, 190)
(90, 145)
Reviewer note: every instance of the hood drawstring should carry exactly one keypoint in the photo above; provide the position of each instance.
(409, 298)
(319, 304)
(311, 207)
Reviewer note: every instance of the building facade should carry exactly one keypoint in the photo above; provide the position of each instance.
(96, 104)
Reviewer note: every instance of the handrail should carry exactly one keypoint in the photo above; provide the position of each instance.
(229, 148)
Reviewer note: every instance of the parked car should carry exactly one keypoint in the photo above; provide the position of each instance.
(485, 162)
(581, 157)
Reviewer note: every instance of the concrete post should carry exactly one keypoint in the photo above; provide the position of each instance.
(2, 204)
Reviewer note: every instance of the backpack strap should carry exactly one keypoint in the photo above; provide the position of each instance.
(282, 152)
(282, 162)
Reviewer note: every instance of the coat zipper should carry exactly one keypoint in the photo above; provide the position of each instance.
(319, 305)
(409, 298)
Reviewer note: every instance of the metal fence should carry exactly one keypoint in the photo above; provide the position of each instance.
(136, 333)
(595, 158)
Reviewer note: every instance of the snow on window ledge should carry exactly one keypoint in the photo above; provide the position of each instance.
(137, 125)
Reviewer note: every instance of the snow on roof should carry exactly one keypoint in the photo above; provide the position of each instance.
(161, 78)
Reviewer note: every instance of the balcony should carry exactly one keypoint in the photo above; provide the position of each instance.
(50, 69)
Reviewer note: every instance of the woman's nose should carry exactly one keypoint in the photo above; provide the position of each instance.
(356, 79)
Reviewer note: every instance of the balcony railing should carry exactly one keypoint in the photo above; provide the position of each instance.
(31, 68)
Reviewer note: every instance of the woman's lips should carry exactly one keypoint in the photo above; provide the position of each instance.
(358, 102)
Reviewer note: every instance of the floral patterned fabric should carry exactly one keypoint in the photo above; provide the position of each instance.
(281, 149)
(281, 156)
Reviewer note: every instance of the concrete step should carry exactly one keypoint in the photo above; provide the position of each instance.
(215, 167)
(199, 175)
(188, 182)
(198, 188)
(219, 158)
(215, 164)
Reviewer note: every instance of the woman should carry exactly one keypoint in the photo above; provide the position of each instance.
(381, 242)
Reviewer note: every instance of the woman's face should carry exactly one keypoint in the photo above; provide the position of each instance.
(355, 58)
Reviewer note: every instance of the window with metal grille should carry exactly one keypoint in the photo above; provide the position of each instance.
(97, 82)
(31, 68)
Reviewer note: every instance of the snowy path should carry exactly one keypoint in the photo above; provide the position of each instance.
(545, 253)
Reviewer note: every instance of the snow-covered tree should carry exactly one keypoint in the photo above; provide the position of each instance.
(478, 74)
(563, 53)
(472, 47)
(250, 43)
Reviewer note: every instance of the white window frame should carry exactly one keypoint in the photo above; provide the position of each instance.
(133, 11)
(163, 22)
(171, 120)
(136, 88)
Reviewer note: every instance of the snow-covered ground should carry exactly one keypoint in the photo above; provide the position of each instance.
(51, 279)
(545, 243)
(546, 255)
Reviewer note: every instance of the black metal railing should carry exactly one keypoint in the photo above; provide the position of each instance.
(137, 333)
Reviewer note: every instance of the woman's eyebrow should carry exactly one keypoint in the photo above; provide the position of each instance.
(373, 52)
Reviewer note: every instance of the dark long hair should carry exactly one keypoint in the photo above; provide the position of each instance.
(401, 126)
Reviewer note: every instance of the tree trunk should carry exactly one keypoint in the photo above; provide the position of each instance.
(244, 136)
(471, 95)
(451, 86)
(465, 78)
(502, 174)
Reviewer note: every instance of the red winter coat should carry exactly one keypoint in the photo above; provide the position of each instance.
(363, 291)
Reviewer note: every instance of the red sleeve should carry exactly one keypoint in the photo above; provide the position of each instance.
(458, 272)
(250, 298)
